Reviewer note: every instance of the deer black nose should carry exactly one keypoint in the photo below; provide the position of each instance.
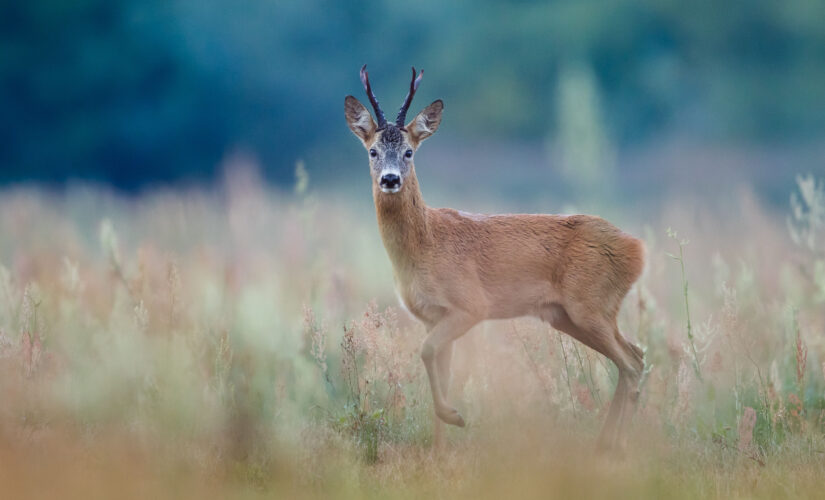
(390, 181)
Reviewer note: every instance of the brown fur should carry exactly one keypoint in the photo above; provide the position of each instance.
(453, 270)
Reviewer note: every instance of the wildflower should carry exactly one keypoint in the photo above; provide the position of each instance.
(746, 424)
(801, 356)
(795, 412)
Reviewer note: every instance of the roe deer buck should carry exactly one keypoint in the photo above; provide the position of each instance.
(453, 269)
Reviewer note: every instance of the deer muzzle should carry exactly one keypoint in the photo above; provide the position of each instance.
(390, 182)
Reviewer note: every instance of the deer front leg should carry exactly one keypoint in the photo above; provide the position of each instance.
(444, 375)
(451, 327)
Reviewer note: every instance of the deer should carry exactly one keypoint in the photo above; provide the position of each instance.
(453, 269)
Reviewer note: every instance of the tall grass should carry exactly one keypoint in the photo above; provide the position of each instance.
(246, 341)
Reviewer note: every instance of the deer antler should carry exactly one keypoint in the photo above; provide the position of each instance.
(365, 79)
(402, 113)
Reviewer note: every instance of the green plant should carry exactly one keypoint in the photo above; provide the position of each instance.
(685, 292)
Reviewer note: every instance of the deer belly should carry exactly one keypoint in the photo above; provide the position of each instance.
(522, 298)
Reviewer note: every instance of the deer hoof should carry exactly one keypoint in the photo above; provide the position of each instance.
(451, 416)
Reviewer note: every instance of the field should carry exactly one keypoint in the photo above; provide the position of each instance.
(245, 341)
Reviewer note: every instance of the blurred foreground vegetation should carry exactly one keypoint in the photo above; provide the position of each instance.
(246, 342)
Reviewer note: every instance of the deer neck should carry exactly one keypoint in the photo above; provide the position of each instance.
(402, 222)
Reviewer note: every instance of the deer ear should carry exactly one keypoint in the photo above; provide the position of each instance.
(426, 122)
(359, 119)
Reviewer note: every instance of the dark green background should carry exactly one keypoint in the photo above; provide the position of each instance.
(140, 91)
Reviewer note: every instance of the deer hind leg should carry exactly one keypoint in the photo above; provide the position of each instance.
(603, 335)
(441, 335)
(443, 360)
(633, 375)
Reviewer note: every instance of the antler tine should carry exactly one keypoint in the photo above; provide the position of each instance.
(402, 113)
(365, 79)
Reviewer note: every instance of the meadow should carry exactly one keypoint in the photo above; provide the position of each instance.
(245, 341)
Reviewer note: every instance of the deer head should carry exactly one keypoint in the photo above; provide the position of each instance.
(391, 146)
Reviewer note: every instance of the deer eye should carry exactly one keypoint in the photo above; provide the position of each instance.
(373, 153)
(408, 154)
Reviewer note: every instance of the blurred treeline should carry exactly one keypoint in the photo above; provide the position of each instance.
(139, 91)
